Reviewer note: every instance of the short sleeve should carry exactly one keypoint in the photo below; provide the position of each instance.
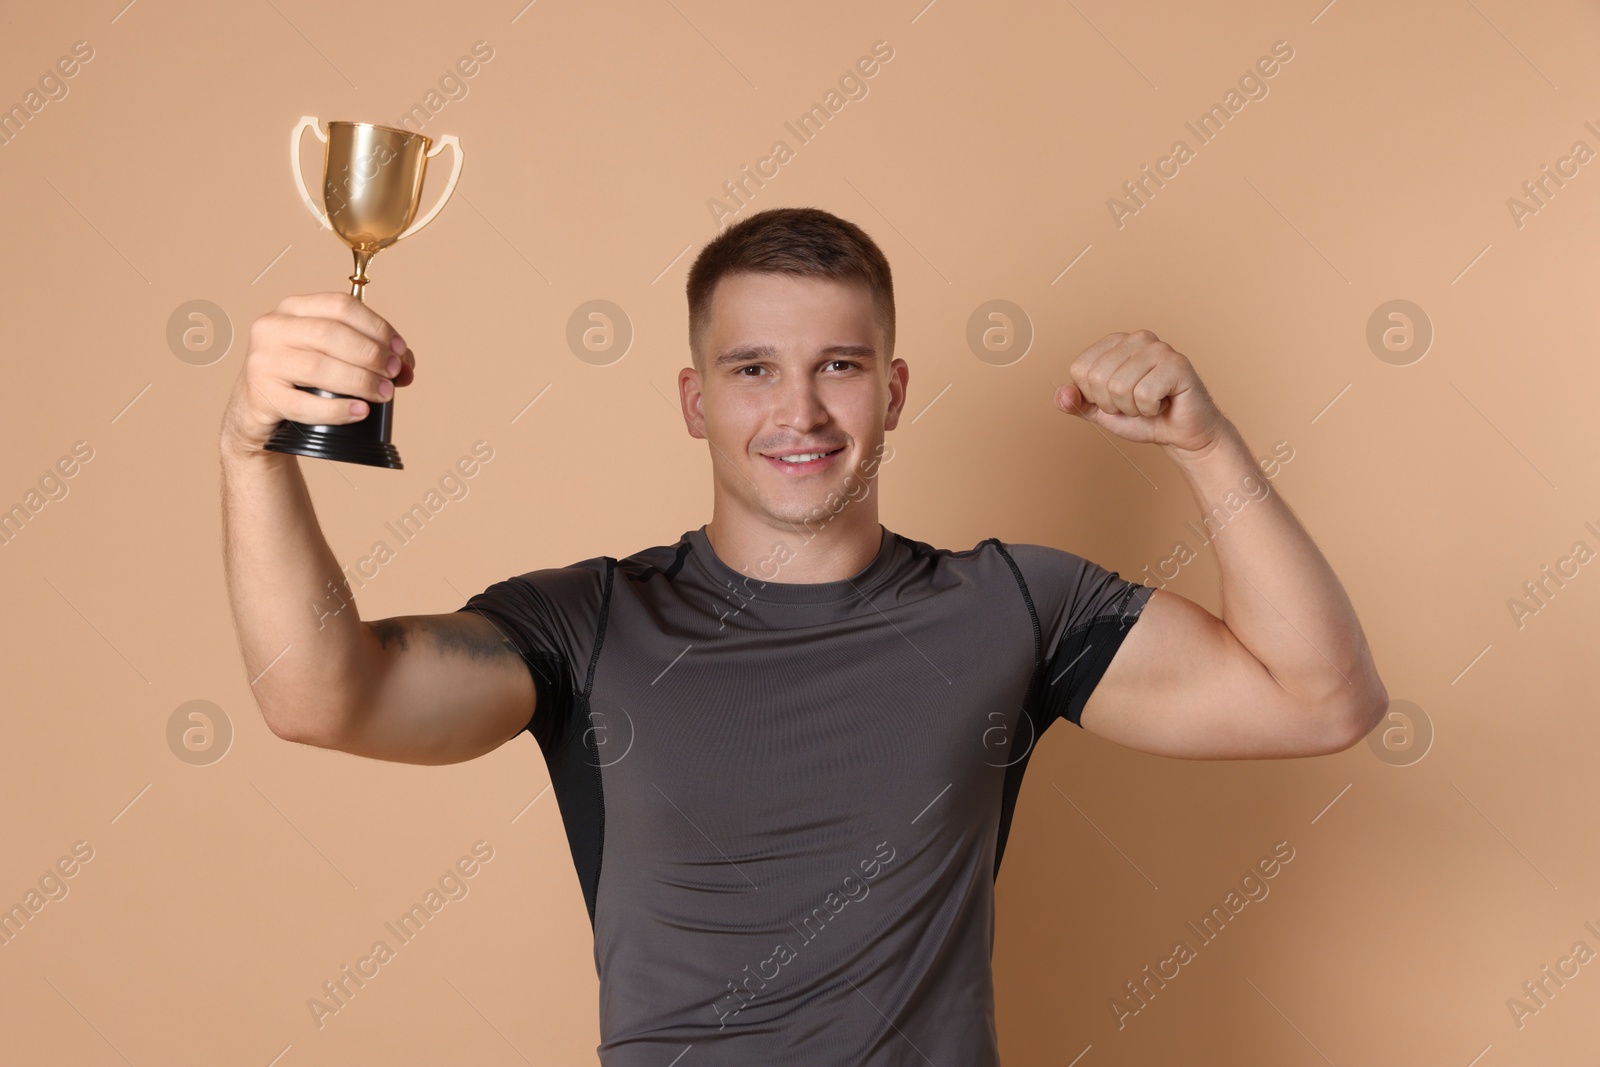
(546, 615)
(1084, 612)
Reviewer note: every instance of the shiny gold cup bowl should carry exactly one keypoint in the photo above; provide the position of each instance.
(372, 183)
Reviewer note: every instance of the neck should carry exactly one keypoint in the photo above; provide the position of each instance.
(828, 549)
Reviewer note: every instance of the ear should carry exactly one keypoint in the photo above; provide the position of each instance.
(692, 400)
(899, 376)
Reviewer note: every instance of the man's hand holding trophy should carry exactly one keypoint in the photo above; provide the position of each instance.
(320, 374)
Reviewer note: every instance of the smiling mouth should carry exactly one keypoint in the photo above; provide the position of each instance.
(797, 458)
(803, 464)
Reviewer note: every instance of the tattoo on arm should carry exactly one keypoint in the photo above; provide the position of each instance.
(448, 636)
(390, 633)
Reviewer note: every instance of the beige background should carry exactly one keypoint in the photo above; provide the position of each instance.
(220, 897)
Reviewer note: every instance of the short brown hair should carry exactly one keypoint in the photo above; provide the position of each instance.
(804, 241)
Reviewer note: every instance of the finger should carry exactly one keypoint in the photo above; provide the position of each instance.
(408, 371)
(1094, 380)
(1089, 356)
(1129, 379)
(287, 403)
(339, 340)
(1068, 399)
(299, 366)
(347, 309)
(1151, 393)
(1098, 364)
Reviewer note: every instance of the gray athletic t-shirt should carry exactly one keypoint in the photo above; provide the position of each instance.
(787, 803)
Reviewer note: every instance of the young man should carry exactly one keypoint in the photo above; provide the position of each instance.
(786, 748)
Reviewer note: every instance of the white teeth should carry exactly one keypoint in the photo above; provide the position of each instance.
(804, 457)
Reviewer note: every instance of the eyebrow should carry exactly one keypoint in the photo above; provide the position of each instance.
(750, 353)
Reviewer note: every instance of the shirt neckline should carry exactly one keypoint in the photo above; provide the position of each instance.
(757, 589)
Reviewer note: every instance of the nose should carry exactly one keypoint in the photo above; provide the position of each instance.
(800, 406)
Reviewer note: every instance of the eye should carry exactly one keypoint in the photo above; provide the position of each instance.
(846, 362)
(748, 366)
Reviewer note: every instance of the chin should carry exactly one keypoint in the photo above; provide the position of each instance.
(797, 512)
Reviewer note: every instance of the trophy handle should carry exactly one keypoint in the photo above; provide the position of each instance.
(450, 186)
(294, 164)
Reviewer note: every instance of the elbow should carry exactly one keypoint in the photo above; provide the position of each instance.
(292, 732)
(319, 714)
(304, 726)
(286, 728)
(1353, 720)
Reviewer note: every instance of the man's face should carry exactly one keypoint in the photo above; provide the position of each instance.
(792, 365)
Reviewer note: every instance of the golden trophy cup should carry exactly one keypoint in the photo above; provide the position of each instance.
(372, 181)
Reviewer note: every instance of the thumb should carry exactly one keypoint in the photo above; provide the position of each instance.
(1069, 398)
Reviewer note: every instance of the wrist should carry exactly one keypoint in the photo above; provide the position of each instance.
(1226, 439)
(239, 453)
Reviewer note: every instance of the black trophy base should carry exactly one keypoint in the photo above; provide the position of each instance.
(365, 442)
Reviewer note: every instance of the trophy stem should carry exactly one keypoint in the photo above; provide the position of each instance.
(358, 280)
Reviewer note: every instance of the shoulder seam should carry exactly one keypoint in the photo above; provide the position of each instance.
(1116, 610)
(921, 549)
(1027, 599)
(600, 626)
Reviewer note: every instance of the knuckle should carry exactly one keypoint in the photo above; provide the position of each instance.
(250, 370)
(358, 380)
(329, 371)
(302, 366)
(256, 362)
(319, 370)
(326, 332)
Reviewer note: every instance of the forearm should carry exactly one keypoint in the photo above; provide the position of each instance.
(1280, 597)
(302, 640)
